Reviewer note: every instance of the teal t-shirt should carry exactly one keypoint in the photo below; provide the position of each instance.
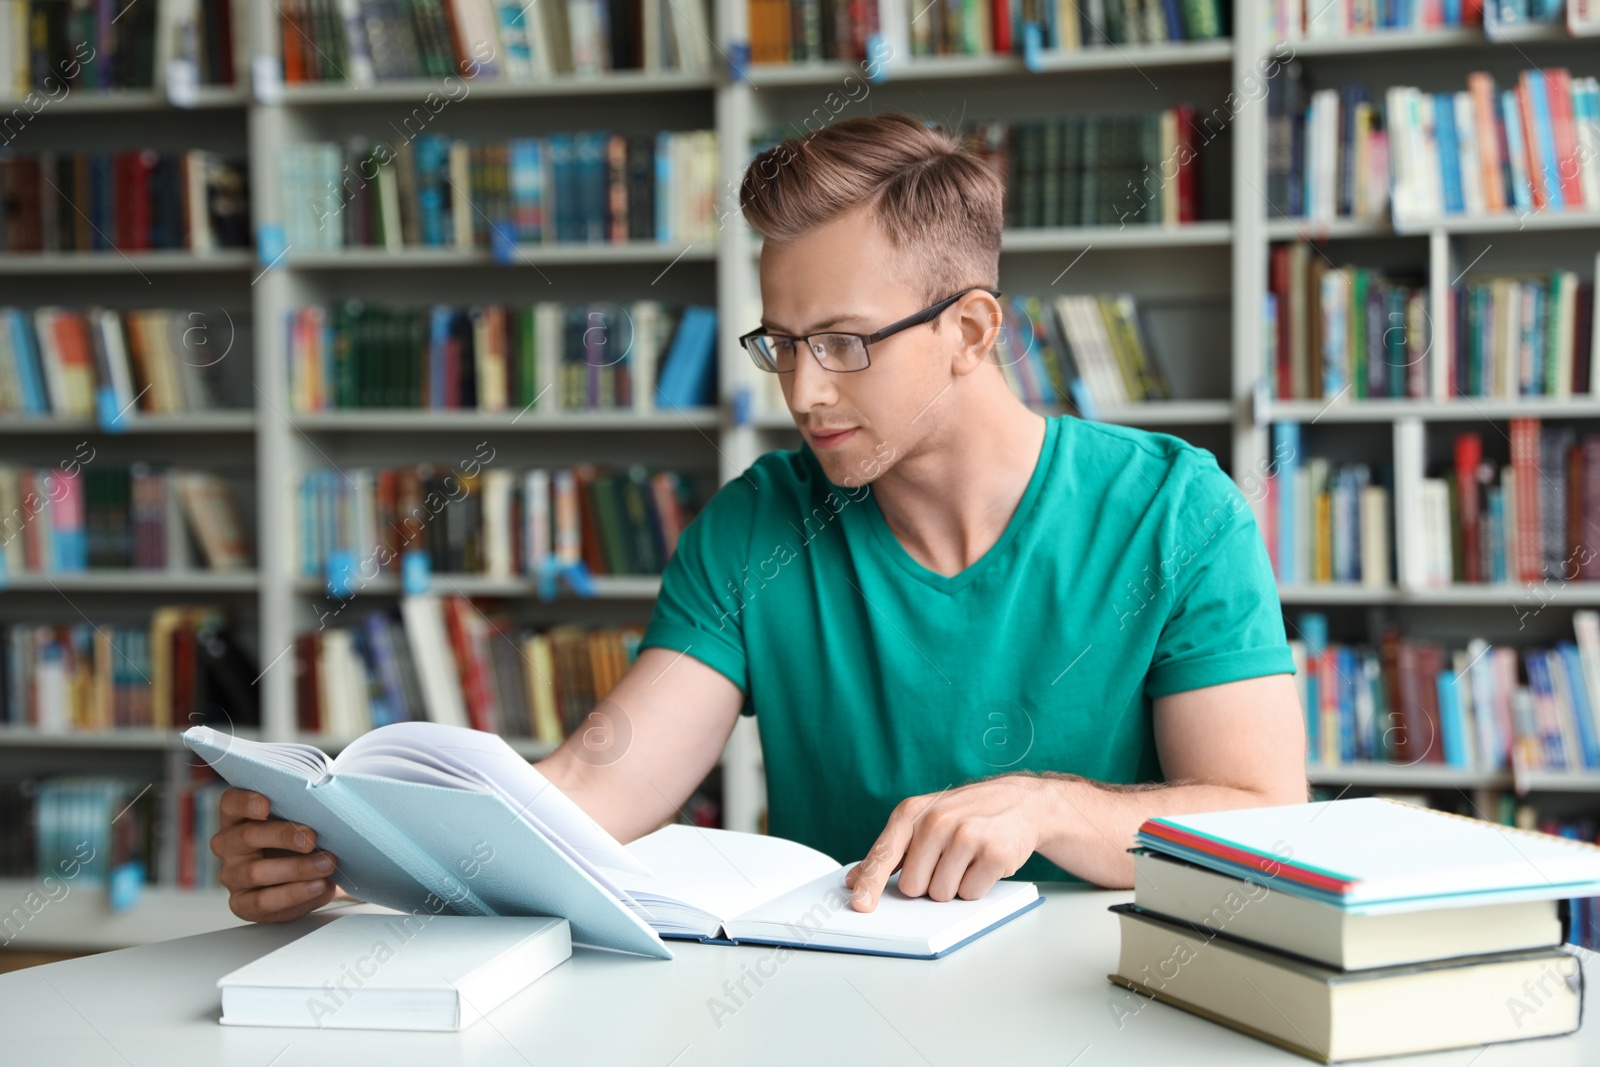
(1131, 569)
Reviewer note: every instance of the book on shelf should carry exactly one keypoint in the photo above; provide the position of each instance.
(1296, 20)
(1084, 352)
(1530, 517)
(1478, 707)
(460, 663)
(433, 191)
(1484, 151)
(86, 47)
(56, 360)
(1349, 333)
(497, 523)
(800, 31)
(118, 519)
(1583, 18)
(1328, 150)
(185, 665)
(124, 201)
(543, 358)
(441, 972)
(399, 840)
(78, 830)
(364, 43)
(1100, 170)
(1327, 522)
(1381, 928)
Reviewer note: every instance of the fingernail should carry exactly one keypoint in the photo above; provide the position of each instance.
(258, 808)
(300, 841)
(314, 887)
(323, 863)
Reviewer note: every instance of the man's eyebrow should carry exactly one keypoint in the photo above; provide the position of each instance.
(827, 323)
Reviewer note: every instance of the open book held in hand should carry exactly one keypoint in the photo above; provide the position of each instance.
(441, 819)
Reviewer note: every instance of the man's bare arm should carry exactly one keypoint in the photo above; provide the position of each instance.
(634, 761)
(631, 765)
(1226, 746)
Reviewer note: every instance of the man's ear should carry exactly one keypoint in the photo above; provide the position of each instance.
(978, 321)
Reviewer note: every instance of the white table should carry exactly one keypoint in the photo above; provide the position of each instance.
(1032, 992)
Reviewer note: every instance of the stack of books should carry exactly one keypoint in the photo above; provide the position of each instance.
(1354, 929)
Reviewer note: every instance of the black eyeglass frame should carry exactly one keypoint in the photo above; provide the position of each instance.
(927, 314)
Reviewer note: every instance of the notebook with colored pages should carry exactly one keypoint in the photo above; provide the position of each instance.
(443, 819)
(1373, 856)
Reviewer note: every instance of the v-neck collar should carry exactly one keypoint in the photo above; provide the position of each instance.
(890, 545)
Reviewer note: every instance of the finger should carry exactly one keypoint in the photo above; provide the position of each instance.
(981, 876)
(240, 804)
(929, 839)
(276, 833)
(269, 904)
(279, 870)
(869, 876)
(952, 865)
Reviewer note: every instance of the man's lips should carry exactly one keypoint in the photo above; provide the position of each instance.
(832, 438)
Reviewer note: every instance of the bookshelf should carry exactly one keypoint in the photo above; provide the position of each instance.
(1200, 282)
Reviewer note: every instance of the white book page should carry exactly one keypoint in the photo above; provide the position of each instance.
(820, 911)
(487, 759)
(721, 872)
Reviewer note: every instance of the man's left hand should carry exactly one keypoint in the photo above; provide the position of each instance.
(958, 842)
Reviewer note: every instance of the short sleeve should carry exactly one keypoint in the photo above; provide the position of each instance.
(1226, 623)
(697, 611)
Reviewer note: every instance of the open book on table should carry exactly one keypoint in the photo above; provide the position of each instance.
(440, 819)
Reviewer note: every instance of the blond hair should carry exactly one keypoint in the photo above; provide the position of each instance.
(934, 198)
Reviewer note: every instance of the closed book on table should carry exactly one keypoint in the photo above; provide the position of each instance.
(1255, 911)
(1374, 855)
(1332, 1015)
(417, 971)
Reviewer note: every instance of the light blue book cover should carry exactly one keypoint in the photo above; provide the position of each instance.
(1286, 454)
(1582, 701)
(1451, 722)
(1544, 137)
(1511, 116)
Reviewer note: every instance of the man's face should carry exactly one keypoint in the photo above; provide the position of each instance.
(847, 277)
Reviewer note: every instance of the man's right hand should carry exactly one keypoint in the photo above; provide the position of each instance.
(271, 867)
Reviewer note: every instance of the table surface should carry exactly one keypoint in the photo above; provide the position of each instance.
(1032, 992)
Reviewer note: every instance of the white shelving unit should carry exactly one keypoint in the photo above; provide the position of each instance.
(1206, 277)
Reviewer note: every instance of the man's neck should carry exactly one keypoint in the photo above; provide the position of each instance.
(949, 503)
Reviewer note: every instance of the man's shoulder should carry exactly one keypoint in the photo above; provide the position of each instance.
(1143, 462)
(772, 483)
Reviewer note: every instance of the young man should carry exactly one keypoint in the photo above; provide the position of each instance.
(977, 642)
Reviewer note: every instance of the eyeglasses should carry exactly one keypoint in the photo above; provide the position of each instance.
(841, 353)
